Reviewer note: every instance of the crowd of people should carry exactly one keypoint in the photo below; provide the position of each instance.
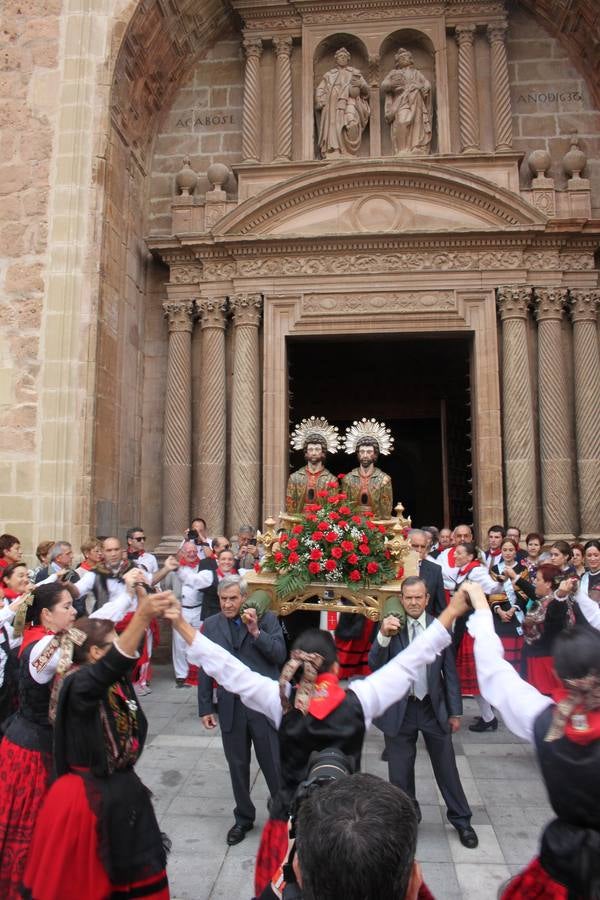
(513, 624)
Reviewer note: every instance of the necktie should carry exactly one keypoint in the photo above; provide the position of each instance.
(420, 688)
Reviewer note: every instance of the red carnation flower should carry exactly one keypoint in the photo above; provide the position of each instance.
(333, 516)
(311, 518)
(381, 528)
(257, 567)
(316, 554)
(293, 544)
(336, 552)
(364, 548)
(323, 526)
(345, 510)
(293, 558)
(347, 546)
(332, 485)
(283, 538)
(278, 556)
(316, 536)
(369, 515)
(387, 554)
(314, 568)
(342, 523)
(341, 476)
(356, 519)
(353, 559)
(331, 536)
(297, 529)
(322, 493)
(370, 525)
(343, 496)
(354, 575)
(330, 565)
(372, 567)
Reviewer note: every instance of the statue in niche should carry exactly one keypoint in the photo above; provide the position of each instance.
(407, 106)
(342, 96)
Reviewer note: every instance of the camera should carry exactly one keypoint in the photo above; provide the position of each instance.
(323, 766)
(193, 535)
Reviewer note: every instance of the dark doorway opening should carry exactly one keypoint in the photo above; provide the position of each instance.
(419, 386)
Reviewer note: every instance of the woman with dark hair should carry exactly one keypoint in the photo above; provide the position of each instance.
(316, 713)
(577, 559)
(534, 543)
(509, 603)
(25, 751)
(10, 550)
(560, 555)
(590, 583)
(96, 834)
(14, 585)
(565, 731)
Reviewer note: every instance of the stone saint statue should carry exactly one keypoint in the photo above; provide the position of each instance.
(368, 489)
(343, 98)
(316, 437)
(407, 106)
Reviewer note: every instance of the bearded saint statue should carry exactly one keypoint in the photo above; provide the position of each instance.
(316, 437)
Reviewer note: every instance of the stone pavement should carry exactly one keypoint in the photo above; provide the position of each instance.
(184, 767)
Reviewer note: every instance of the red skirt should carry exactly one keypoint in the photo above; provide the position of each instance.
(64, 863)
(353, 656)
(24, 779)
(513, 645)
(271, 853)
(534, 883)
(465, 666)
(541, 675)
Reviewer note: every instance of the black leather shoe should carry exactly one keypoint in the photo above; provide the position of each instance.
(468, 837)
(237, 833)
(480, 725)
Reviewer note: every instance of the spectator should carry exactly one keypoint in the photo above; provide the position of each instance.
(10, 550)
(495, 536)
(61, 560)
(590, 583)
(197, 532)
(191, 607)
(92, 553)
(577, 559)
(534, 543)
(560, 555)
(137, 553)
(42, 552)
(509, 604)
(245, 549)
(429, 571)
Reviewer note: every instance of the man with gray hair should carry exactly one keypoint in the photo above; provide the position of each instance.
(259, 643)
(429, 571)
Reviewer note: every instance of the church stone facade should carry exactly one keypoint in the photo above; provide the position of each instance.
(193, 189)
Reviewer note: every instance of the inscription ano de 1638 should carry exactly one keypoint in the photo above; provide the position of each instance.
(550, 96)
(206, 120)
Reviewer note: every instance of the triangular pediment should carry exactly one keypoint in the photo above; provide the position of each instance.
(376, 198)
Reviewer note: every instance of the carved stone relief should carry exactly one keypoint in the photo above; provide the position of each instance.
(385, 302)
(342, 98)
(407, 108)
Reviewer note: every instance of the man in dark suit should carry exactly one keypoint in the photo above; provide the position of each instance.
(430, 572)
(433, 707)
(210, 596)
(261, 646)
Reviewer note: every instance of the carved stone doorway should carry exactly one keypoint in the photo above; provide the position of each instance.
(419, 385)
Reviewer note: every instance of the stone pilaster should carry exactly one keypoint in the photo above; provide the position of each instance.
(251, 112)
(558, 487)
(518, 423)
(211, 457)
(244, 496)
(467, 89)
(586, 358)
(500, 86)
(177, 463)
(283, 98)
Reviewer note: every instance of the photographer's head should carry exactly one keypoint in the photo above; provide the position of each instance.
(356, 839)
(313, 640)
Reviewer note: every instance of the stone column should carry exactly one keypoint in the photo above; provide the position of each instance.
(244, 497)
(177, 465)
(558, 487)
(586, 358)
(251, 112)
(518, 422)
(211, 455)
(283, 98)
(467, 89)
(500, 87)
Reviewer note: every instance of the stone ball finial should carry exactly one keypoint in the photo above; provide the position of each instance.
(186, 179)
(217, 174)
(574, 159)
(539, 162)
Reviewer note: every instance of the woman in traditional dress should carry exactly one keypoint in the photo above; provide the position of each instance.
(318, 713)
(577, 559)
(96, 834)
(565, 731)
(509, 602)
(560, 555)
(590, 582)
(14, 584)
(534, 543)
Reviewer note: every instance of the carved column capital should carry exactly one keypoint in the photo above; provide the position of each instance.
(513, 302)
(584, 305)
(180, 314)
(497, 32)
(465, 34)
(282, 45)
(246, 308)
(253, 47)
(550, 303)
(212, 312)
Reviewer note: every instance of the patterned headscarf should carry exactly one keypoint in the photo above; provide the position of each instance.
(583, 693)
(311, 665)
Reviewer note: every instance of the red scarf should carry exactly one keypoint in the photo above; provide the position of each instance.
(327, 696)
(452, 557)
(10, 594)
(3, 562)
(587, 722)
(191, 565)
(32, 635)
(494, 553)
(468, 568)
(222, 574)
(86, 565)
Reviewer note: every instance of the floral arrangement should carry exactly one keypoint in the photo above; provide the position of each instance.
(332, 544)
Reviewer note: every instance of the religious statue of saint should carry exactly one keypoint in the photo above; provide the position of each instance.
(407, 106)
(342, 96)
(316, 437)
(367, 488)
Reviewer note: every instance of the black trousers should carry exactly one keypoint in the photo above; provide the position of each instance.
(402, 752)
(250, 727)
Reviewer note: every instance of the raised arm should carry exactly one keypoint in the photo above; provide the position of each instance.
(255, 691)
(589, 608)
